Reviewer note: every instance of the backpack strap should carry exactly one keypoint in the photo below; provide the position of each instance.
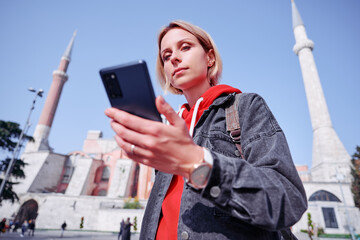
(233, 123)
(233, 127)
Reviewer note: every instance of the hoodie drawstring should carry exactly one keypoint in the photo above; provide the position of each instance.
(193, 118)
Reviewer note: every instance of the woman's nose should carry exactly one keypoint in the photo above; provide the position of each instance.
(175, 58)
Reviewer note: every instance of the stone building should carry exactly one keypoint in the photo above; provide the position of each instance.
(92, 183)
(327, 185)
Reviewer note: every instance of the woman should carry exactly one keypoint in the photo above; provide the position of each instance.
(204, 188)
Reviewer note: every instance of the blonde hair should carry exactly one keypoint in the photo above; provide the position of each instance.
(214, 72)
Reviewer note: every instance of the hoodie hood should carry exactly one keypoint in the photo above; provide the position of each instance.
(192, 115)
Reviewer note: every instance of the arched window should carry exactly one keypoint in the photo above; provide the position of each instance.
(69, 169)
(105, 174)
(323, 195)
(27, 211)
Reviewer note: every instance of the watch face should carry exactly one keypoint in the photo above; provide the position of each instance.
(200, 175)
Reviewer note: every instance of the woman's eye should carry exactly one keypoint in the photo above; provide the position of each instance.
(185, 47)
(166, 57)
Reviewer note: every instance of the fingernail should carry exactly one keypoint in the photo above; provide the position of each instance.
(162, 100)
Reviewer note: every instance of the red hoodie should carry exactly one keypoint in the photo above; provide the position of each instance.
(171, 205)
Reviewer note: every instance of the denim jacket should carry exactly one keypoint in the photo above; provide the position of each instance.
(243, 199)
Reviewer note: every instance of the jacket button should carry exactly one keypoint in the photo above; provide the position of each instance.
(184, 235)
(215, 191)
(237, 153)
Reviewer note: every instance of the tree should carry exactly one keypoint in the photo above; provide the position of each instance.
(82, 223)
(132, 203)
(9, 136)
(310, 226)
(135, 224)
(355, 173)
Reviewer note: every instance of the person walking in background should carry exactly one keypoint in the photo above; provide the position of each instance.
(16, 225)
(122, 225)
(11, 223)
(214, 179)
(31, 227)
(2, 226)
(127, 230)
(24, 228)
(63, 227)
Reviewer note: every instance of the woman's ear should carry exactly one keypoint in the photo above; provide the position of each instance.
(211, 57)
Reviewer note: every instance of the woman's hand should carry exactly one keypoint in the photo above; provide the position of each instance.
(168, 148)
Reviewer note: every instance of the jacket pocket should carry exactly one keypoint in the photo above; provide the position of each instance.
(223, 144)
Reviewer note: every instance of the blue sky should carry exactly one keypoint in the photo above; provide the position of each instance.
(255, 39)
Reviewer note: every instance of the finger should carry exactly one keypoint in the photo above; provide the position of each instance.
(120, 142)
(129, 135)
(131, 121)
(136, 153)
(126, 146)
(110, 112)
(164, 108)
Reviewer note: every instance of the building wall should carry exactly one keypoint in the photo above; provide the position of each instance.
(34, 162)
(49, 175)
(79, 177)
(120, 178)
(315, 207)
(100, 213)
(303, 172)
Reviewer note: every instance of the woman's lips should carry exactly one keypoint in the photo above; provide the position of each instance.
(179, 70)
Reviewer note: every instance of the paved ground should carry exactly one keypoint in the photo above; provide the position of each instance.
(82, 235)
(68, 235)
(304, 236)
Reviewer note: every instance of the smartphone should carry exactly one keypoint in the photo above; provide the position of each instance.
(129, 88)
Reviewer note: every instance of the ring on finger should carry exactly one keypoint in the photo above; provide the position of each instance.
(132, 149)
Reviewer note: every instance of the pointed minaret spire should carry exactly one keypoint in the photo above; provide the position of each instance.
(67, 53)
(296, 18)
(42, 130)
(329, 153)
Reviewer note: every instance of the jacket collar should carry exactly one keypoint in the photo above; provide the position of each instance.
(222, 100)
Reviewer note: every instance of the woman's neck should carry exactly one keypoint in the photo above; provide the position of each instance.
(193, 94)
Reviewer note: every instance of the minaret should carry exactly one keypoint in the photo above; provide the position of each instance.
(329, 153)
(43, 127)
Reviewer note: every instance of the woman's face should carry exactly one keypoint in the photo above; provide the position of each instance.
(185, 61)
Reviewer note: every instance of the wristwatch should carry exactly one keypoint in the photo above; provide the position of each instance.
(200, 173)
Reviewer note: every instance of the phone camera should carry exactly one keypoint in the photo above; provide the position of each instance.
(112, 86)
